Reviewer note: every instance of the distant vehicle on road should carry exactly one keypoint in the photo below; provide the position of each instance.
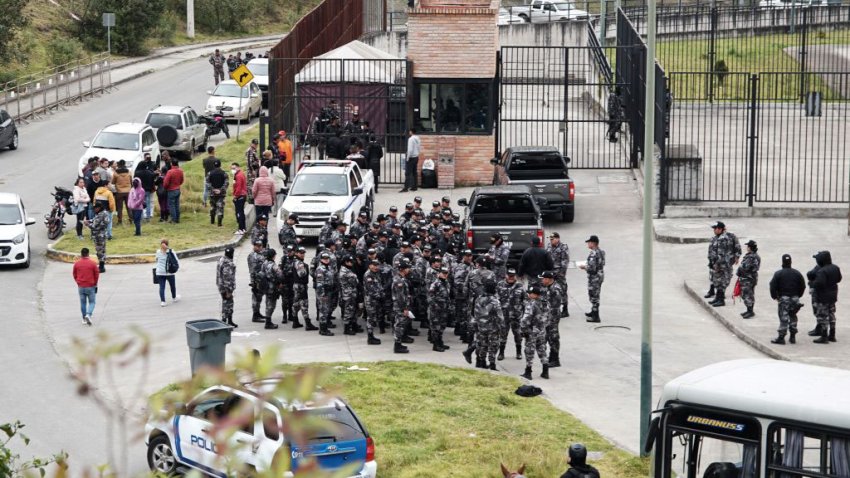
(117, 141)
(260, 69)
(753, 418)
(542, 11)
(508, 17)
(14, 237)
(227, 93)
(178, 129)
(544, 170)
(8, 131)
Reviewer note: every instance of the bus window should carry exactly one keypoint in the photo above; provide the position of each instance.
(693, 455)
(806, 453)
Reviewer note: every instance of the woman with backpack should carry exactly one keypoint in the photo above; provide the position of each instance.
(166, 266)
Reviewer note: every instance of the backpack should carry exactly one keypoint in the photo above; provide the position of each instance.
(171, 264)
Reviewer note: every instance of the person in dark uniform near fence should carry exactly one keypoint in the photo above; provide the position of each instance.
(786, 288)
(748, 275)
(226, 282)
(560, 254)
(823, 281)
(724, 251)
(595, 269)
(325, 287)
(374, 153)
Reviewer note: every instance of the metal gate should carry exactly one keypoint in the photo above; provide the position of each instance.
(558, 96)
(331, 100)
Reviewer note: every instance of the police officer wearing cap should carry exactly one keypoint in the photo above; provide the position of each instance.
(595, 268)
(225, 279)
(724, 251)
(748, 276)
(402, 308)
(287, 235)
(260, 232)
(325, 281)
(360, 226)
(560, 254)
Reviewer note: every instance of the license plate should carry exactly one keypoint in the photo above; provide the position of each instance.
(310, 232)
(3, 259)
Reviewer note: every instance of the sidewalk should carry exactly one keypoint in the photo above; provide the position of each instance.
(799, 237)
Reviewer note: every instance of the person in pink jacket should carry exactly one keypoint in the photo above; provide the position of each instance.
(136, 204)
(263, 192)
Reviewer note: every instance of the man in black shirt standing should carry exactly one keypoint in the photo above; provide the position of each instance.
(534, 261)
(786, 287)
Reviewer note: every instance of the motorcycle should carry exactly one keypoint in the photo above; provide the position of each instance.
(55, 221)
(216, 123)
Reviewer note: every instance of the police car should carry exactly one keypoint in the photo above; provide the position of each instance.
(185, 440)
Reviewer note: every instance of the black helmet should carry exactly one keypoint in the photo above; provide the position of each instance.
(578, 454)
(270, 253)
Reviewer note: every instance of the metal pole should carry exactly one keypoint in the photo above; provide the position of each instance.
(648, 200)
(239, 121)
(109, 40)
(190, 18)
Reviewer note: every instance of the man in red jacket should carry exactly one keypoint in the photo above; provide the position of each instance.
(172, 182)
(86, 275)
(240, 194)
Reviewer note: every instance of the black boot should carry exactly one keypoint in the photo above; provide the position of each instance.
(309, 325)
(323, 330)
(270, 325)
(442, 344)
(492, 365)
(710, 293)
(358, 329)
(780, 340)
(406, 340)
(257, 317)
(480, 362)
(518, 352)
(413, 332)
(594, 316)
(285, 319)
(566, 312)
(219, 220)
(719, 299)
(232, 324)
(824, 337)
(527, 374)
(554, 360)
(501, 352)
(399, 348)
(748, 314)
(815, 332)
(296, 324)
(382, 327)
(101, 266)
(545, 373)
(212, 217)
(588, 314)
(373, 341)
(349, 330)
(832, 333)
(792, 338)
(436, 347)
(467, 354)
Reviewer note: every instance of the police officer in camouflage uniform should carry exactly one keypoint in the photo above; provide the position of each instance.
(287, 261)
(402, 308)
(300, 279)
(786, 287)
(373, 298)
(487, 320)
(256, 259)
(260, 232)
(348, 286)
(560, 254)
(225, 279)
(595, 269)
(326, 230)
(499, 254)
(287, 235)
(512, 297)
(553, 295)
(748, 275)
(99, 226)
(270, 278)
(460, 274)
(533, 325)
(439, 299)
(216, 184)
(325, 281)
(723, 253)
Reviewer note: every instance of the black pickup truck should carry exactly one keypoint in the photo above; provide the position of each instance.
(544, 170)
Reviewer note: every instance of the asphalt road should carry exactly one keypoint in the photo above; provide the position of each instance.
(36, 387)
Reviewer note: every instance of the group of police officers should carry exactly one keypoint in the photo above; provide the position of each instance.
(413, 266)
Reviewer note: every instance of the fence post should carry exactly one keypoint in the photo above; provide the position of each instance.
(712, 53)
(804, 33)
(498, 105)
(752, 139)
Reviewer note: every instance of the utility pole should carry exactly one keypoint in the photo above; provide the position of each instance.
(190, 18)
(648, 203)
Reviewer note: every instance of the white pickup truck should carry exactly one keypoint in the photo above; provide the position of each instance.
(542, 11)
(326, 188)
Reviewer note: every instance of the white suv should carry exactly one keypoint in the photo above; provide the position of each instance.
(127, 141)
(178, 129)
(14, 238)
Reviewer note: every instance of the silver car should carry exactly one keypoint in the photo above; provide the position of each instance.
(178, 129)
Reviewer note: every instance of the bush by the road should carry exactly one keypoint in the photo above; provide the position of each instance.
(135, 21)
(11, 22)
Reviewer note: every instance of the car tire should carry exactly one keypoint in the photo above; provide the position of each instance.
(14, 144)
(568, 214)
(161, 458)
(525, 18)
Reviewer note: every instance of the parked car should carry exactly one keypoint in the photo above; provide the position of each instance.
(260, 69)
(8, 131)
(541, 11)
(510, 211)
(507, 17)
(14, 237)
(326, 188)
(544, 170)
(227, 93)
(117, 141)
(184, 440)
(178, 129)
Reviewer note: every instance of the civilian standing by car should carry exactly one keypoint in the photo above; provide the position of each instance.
(82, 201)
(145, 174)
(264, 193)
(278, 174)
(240, 194)
(172, 182)
(86, 275)
(136, 203)
(414, 147)
(161, 193)
(284, 146)
(209, 165)
(374, 153)
(123, 182)
(166, 266)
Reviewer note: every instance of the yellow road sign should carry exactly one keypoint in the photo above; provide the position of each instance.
(242, 75)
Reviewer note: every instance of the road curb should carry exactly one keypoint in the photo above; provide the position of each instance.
(196, 46)
(666, 238)
(71, 257)
(737, 331)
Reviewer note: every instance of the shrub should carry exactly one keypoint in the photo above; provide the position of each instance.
(61, 50)
(11, 23)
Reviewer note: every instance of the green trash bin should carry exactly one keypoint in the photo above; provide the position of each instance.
(207, 340)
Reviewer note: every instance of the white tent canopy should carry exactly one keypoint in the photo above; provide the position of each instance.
(320, 70)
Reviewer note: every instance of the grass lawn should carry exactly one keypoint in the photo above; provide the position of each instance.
(431, 420)
(194, 229)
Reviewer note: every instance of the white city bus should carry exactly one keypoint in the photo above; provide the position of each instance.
(753, 419)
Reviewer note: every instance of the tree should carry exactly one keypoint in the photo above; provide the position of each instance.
(11, 22)
(135, 21)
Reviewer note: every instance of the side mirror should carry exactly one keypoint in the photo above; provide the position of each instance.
(209, 92)
(462, 202)
(86, 144)
(147, 149)
(357, 191)
(30, 221)
(494, 161)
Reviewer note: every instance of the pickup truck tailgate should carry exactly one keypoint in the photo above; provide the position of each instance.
(556, 191)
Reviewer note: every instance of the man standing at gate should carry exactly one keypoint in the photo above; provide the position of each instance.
(411, 166)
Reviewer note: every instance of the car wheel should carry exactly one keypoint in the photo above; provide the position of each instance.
(26, 265)
(14, 144)
(568, 214)
(525, 18)
(161, 457)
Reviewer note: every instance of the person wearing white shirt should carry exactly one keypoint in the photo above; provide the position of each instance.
(411, 166)
(279, 177)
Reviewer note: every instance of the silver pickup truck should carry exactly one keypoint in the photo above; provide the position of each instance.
(511, 211)
(544, 170)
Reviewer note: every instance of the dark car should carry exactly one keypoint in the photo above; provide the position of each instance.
(8, 131)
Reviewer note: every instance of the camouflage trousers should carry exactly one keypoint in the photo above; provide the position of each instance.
(420, 305)
(271, 304)
(386, 308)
(299, 302)
(100, 247)
(256, 299)
(536, 343)
(594, 288)
(399, 325)
(334, 297)
(487, 344)
(226, 306)
(825, 313)
(286, 296)
(748, 294)
(553, 333)
(461, 312)
(325, 309)
(437, 315)
(511, 325)
(562, 281)
(787, 308)
(348, 308)
(216, 207)
(374, 310)
(722, 276)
